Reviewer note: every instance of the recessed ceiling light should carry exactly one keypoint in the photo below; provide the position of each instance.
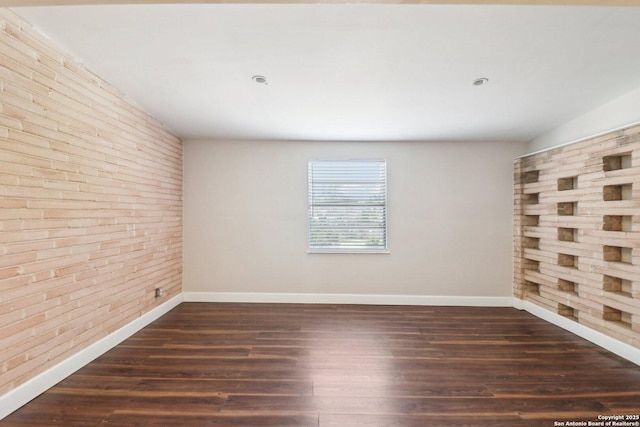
(481, 81)
(260, 79)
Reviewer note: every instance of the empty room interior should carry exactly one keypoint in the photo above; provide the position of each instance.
(297, 213)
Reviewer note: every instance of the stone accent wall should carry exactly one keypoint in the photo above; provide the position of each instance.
(577, 232)
(90, 206)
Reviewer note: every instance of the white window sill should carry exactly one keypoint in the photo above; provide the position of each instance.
(348, 251)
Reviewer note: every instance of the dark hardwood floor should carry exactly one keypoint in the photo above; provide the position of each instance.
(206, 364)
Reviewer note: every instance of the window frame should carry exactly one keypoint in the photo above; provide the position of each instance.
(310, 206)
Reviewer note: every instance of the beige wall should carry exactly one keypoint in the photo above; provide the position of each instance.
(450, 221)
(90, 207)
(617, 114)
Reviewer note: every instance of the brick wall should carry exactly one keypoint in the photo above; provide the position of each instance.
(90, 206)
(577, 232)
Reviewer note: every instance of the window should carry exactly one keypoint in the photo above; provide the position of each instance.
(348, 206)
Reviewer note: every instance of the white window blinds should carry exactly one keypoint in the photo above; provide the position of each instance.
(348, 206)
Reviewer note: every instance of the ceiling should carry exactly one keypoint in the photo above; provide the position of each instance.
(381, 72)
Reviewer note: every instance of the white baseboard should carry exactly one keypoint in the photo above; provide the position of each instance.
(26, 392)
(613, 345)
(348, 299)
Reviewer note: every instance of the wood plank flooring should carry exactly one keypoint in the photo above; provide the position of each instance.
(206, 364)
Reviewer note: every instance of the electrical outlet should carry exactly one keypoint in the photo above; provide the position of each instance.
(159, 292)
